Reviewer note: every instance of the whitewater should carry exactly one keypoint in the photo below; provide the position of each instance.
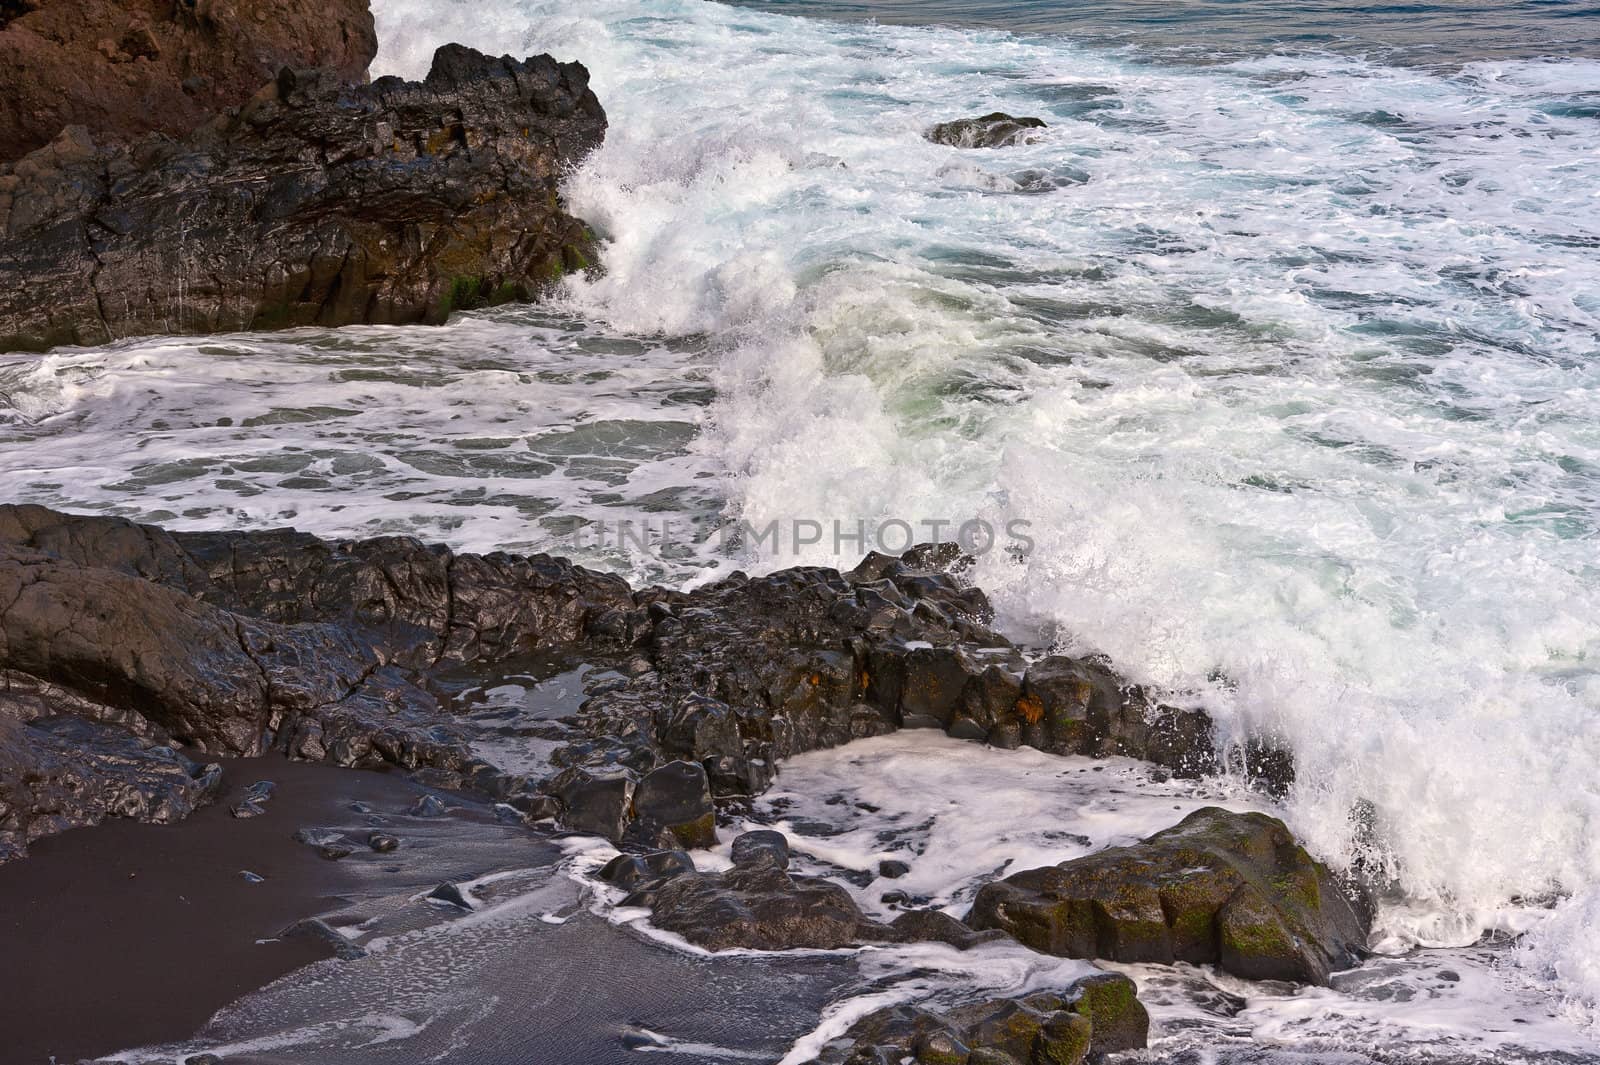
(1287, 360)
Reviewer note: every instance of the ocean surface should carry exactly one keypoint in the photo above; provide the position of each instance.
(1280, 348)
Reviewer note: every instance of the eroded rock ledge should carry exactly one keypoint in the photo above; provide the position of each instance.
(316, 203)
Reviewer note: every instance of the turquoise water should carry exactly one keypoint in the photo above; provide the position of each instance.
(1449, 32)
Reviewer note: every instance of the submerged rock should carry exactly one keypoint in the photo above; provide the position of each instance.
(996, 130)
(329, 843)
(316, 203)
(1223, 888)
(1100, 1014)
(320, 931)
(125, 68)
(253, 803)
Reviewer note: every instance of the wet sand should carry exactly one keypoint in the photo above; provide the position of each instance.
(128, 934)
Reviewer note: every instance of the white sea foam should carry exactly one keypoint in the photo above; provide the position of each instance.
(1299, 390)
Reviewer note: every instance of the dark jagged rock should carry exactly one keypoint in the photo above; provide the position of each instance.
(677, 796)
(760, 909)
(231, 644)
(630, 871)
(1223, 888)
(234, 643)
(316, 203)
(62, 772)
(1100, 1014)
(757, 905)
(452, 894)
(130, 67)
(382, 842)
(997, 130)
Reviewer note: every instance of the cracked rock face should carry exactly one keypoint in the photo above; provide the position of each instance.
(124, 68)
(315, 203)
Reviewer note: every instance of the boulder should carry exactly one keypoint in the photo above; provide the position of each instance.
(996, 130)
(677, 796)
(762, 849)
(597, 802)
(316, 203)
(1097, 1015)
(758, 909)
(1223, 888)
(632, 871)
(124, 68)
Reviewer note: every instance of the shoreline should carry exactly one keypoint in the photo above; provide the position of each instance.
(161, 930)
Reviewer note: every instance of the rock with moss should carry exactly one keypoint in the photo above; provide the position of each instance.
(1098, 1015)
(315, 203)
(1230, 889)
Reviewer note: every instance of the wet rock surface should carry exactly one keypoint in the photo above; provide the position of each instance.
(237, 643)
(124, 68)
(1223, 888)
(758, 905)
(1097, 1015)
(315, 202)
(156, 651)
(996, 130)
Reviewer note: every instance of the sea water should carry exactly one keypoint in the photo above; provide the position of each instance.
(1280, 340)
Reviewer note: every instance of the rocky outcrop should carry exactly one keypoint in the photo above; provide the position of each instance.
(997, 130)
(233, 643)
(314, 203)
(1097, 1015)
(745, 672)
(1229, 889)
(124, 68)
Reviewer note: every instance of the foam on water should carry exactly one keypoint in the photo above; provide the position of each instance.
(499, 432)
(846, 810)
(1290, 362)
(1298, 390)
